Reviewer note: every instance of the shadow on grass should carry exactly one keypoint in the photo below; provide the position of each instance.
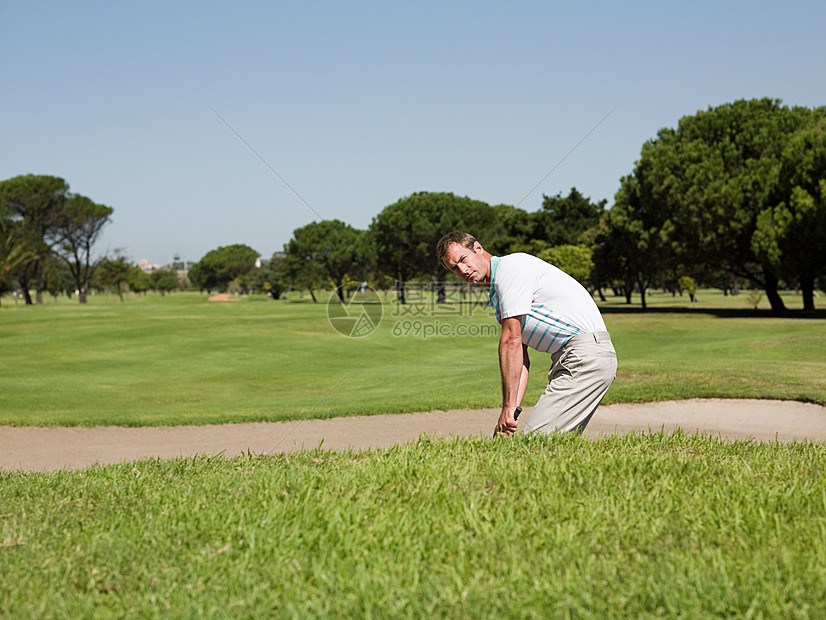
(723, 313)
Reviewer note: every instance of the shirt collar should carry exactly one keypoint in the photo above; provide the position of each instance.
(494, 263)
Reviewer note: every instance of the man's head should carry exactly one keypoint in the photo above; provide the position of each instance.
(462, 254)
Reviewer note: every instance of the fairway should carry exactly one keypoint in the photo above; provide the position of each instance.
(181, 359)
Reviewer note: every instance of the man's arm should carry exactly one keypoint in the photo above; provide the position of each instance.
(513, 365)
(523, 379)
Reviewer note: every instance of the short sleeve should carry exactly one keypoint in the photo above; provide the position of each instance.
(515, 284)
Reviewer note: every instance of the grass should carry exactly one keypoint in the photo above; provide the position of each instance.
(180, 359)
(528, 527)
(534, 527)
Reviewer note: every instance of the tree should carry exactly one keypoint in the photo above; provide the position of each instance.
(791, 236)
(78, 229)
(690, 286)
(575, 260)
(710, 180)
(407, 231)
(329, 250)
(299, 271)
(59, 277)
(163, 280)
(38, 202)
(221, 266)
(514, 228)
(115, 273)
(633, 241)
(200, 280)
(266, 280)
(14, 251)
(731, 176)
(562, 221)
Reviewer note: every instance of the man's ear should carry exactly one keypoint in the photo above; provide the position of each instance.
(477, 247)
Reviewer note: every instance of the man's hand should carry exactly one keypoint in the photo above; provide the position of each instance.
(507, 421)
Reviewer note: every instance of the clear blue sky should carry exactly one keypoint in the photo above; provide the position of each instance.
(358, 104)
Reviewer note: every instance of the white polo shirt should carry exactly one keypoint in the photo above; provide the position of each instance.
(552, 304)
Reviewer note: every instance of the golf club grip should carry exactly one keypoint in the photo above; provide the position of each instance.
(516, 413)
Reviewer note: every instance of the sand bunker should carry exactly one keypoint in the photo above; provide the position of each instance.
(49, 449)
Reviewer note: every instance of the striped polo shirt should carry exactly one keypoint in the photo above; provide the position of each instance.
(552, 305)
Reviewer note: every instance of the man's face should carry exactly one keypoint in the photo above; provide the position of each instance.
(470, 265)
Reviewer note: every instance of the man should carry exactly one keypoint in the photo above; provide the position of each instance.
(541, 307)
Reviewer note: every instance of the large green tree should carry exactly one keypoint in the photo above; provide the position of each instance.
(221, 266)
(514, 230)
(791, 235)
(330, 250)
(629, 243)
(38, 202)
(406, 233)
(563, 220)
(79, 228)
(708, 181)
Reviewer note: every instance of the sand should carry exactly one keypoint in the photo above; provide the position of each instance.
(51, 449)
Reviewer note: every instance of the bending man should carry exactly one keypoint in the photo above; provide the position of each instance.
(541, 307)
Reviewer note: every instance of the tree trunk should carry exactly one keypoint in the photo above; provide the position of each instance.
(807, 288)
(642, 296)
(24, 286)
(441, 297)
(400, 289)
(81, 296)
(629, 289)
(772, 293)
(40, 283)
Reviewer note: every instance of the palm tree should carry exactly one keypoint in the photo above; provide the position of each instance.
(14, 251)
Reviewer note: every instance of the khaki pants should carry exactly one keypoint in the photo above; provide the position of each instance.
(581, 373)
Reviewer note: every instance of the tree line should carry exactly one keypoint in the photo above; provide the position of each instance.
(47, 234)
(733, 196)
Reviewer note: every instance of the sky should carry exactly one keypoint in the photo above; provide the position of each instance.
(205, 124)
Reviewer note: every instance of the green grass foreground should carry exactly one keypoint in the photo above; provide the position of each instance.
(181, 359)
(529, 527)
